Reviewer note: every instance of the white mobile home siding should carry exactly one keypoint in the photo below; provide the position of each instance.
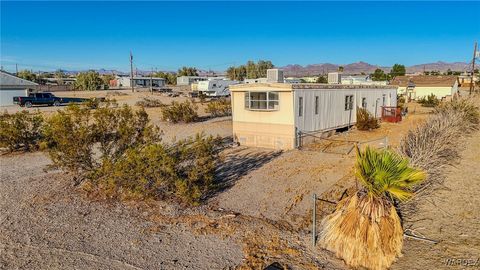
(331, 111)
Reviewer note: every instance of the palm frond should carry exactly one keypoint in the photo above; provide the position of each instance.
(386, 173)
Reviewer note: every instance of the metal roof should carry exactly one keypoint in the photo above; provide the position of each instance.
(12, 81)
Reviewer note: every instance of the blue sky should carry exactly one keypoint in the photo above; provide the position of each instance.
(214, 35)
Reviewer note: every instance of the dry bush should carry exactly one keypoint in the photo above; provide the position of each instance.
(365, 120)
(180, 112)
(21, 131)
(150, 103)
(434, 144)
(220, 107)
(429, 101)
(116, 93)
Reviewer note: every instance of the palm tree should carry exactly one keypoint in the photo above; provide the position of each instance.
(365, 229)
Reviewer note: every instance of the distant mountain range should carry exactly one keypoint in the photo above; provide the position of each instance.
(362, 67)
(316, 69)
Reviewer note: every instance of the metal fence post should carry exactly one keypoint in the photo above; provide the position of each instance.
(314, 220)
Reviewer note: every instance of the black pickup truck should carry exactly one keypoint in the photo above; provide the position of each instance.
(45, 99)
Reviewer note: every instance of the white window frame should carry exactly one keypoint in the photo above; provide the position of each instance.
(249, 101)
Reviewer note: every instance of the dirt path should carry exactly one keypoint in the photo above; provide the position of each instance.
(450, 216)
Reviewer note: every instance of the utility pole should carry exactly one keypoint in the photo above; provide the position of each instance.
(16, 69)
(131, 71)
(472, 81)
(151, 81)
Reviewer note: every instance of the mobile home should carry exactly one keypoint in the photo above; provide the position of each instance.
(215, 88)
(273, 115)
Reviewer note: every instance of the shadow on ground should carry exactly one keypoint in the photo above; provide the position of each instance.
(238, 163)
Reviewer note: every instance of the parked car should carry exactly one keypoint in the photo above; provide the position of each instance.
(45, 99)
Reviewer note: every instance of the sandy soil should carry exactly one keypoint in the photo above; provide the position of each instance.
(450, 216)
(47, 224)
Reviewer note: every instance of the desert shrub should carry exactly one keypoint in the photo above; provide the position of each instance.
(92, 103)
(429, 101)
(120, 153)
(117, 130)
(365, 120)
(182, 171)
(196, 167)
(70, 135)
(221, 107)
(180, 112)
(469, 111)
(143, 172)
(69, 138)
(434, 144)
(21, 131)
(150, 103)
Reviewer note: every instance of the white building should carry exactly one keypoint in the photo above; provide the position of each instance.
(188, 80)
(125, 81)
(360, 80)
(274, 115)
(12, 86)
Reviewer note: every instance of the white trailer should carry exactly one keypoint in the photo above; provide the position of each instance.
(336, 107)
(215, 88)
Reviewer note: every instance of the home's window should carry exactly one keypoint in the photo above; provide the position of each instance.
(383, 100)
(316, 104)
(348, 102)
(364, 103)
(261, 100)
(300, 106)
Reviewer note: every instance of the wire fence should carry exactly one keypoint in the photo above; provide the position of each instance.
(312, 142)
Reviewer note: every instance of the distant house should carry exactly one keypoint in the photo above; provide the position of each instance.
(188, 80)
(360, 79)
(274, 115)
(11, 86)
(417, 87)
(125, 81)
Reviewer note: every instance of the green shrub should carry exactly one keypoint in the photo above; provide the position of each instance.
(120, 153)
(180, 112)
(429, 101)
(150, 103)
(117, 130)
(365, 120)
(147, 172)
(70, 138)
(221, 107)
(196, 167)
(182, 171)
(21, 131)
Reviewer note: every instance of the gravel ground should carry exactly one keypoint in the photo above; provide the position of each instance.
(46, 224)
